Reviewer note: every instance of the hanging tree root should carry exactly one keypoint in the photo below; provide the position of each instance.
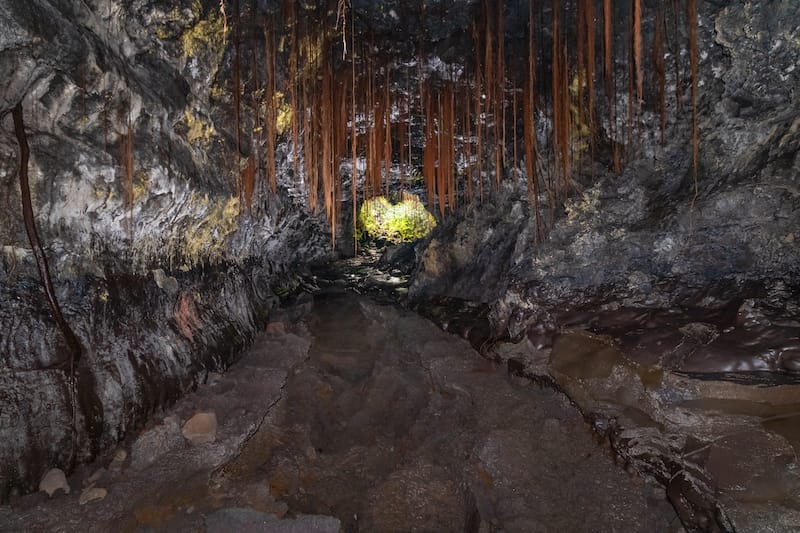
(38, 252)
(71, 339)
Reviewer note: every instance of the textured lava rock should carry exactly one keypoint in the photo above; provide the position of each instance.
(133, 169)
(156, 442)
(642, 238)
(683, 296)
(252, 520)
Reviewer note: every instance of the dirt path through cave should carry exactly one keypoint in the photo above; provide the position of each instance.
(381, 421)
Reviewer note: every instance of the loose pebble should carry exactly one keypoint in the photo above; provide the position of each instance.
(54, 480)
(201, 428)
(92, 494)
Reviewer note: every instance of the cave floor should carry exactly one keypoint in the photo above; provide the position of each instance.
(351, 414)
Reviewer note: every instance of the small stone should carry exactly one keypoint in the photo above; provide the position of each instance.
(53, 480)
(276, 329)
(213, 377)
(92, 494)
(166, 283)
(279, 509)
(201, 428)
(94, 478)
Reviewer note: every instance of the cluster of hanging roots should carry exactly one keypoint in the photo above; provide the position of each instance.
(547, 107)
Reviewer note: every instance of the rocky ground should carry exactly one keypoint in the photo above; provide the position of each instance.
(698, 390)
(351, 415)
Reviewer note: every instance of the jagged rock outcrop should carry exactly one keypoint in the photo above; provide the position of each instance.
(643, 236)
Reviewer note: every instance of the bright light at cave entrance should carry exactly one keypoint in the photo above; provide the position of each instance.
(405, 221)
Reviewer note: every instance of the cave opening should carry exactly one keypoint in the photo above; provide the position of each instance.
(381, 265)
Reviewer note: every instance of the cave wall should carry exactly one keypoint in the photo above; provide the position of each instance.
(695, 290)
(642, 237)
(160, 268)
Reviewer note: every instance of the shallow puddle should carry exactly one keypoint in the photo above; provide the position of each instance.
(783, 419)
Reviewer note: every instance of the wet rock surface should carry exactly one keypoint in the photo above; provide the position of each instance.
(692, 433)
(695, 396)
(369, 418)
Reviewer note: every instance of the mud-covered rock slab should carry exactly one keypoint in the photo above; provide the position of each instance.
(722, 447)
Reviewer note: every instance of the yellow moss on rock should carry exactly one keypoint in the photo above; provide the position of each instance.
(217, 92)
(284, 119)
(168, 23)
(200, 237)
(140, 182)
(205, 240)
(208, 34)
(198, 130)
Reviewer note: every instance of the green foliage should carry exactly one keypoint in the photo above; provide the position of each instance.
(402, 222)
